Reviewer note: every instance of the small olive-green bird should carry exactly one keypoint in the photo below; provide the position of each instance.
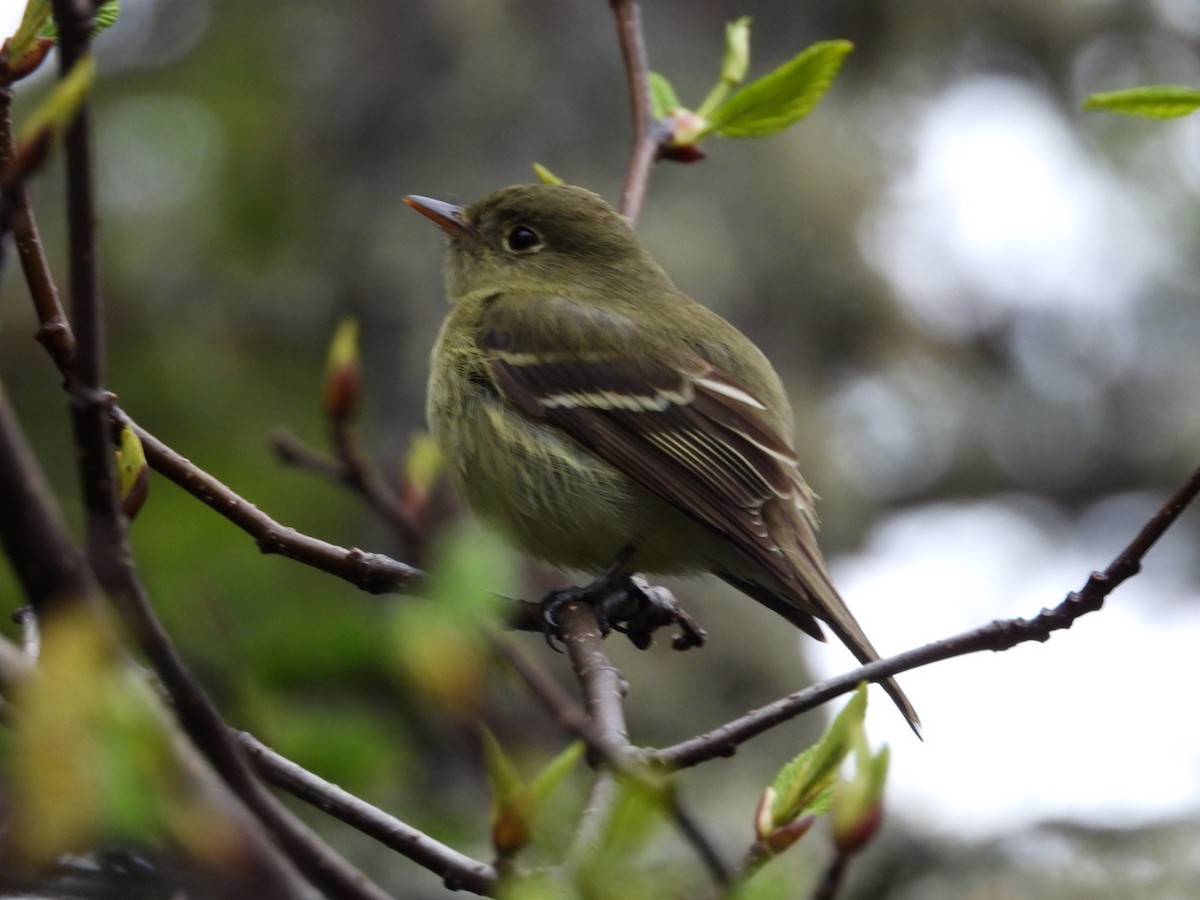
(593, 412)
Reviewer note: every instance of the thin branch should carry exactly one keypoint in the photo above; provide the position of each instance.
(352, 468)
(54, 333)
(645, 147)
(831, 881)
(607, 735)
(602, 684)
(371, 572)
(458, 872)
(997, 636)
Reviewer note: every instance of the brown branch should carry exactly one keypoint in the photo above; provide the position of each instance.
(831, 880)
(352, 468)
(603, 686)
(54, 333)
(458, 872)
(371, 572)
(645, 147)
(605, 730)
(997, 636)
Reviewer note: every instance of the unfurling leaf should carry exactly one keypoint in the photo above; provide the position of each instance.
(26, 49)
(782, 97)
(737, 51)
(805, 784)
(662, 96)
(343, 373)
(106, 15)
(133, 473)
(54, 115)
(422, 468)
(1153, 101)
(512, 801)
(545, 176)
(440, 647)
(858, 803)
(515, 803)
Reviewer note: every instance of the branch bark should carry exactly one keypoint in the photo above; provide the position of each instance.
(644, 151)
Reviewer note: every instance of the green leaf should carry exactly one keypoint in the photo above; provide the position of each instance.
(37, 13)
(783, 97)
(555, 771)
(106, 15)
(737, 51)
(507, 786)
(1163, 101)
(440, 648)
(512, 804)
(804, 786)
(545, 176)
(54, 114)
(662, 95)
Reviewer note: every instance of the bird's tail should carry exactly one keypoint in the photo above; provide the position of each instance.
(811, 593)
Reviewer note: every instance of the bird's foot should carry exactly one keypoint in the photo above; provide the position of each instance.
(648, 607)
(628, 604)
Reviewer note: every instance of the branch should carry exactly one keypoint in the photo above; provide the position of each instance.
(605, 730)
(352, 468)
(645, 147)
(603, 687)
(371, 572)
(1003, 634)
(54, 333)
(458, 872)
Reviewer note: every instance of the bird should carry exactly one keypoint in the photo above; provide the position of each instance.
(606, 422)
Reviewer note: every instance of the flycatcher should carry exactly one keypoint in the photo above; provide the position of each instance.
(593, 412)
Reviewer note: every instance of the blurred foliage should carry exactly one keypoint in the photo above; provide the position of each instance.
(252, 158)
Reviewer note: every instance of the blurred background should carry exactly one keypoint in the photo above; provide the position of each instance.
(983, 300)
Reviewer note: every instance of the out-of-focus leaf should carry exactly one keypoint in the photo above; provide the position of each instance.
(782, 97)
(106, 15)
(343, 372)
(54, 115)
(858, 803)
(439, 647)
(662, 95)
(545, 176)
(556, 770)
(133, 472)
(737, 51)
(37, 13)
(512, 803)
(1153, 101)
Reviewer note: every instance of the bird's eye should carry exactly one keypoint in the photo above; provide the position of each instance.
(522, 239)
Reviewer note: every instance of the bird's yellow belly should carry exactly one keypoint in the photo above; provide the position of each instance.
(555, 500)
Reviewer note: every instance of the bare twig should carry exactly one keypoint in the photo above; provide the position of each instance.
(371, 572)
(644, 151)
(606, 733)
(54, 333)
(831, 881)
(996, 636)
(458, 872)
(352, 468)
(603, 687)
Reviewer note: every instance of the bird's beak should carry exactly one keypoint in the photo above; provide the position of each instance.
(448, 217)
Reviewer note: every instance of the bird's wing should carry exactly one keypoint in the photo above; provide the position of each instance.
(686, 431)
(667, 418)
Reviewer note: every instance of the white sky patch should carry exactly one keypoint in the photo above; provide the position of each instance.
(10, 16)
(1003, 209)
(1095, 725)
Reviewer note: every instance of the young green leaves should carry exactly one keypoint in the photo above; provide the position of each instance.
(764, 107)
(1152, 101)
(515, 801)
(809, 786)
